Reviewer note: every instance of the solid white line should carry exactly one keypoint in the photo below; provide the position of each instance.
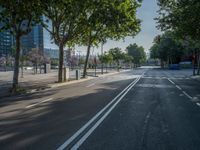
(80, 142)
(90, 85)
(171, 81)
(75, 135)
(32, 105)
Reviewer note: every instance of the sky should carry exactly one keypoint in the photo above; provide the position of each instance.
(147, 13)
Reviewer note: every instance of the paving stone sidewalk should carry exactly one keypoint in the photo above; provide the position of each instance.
(34, 82)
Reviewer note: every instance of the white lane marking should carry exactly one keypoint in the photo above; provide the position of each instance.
(90, 85)
(186, 94)
(32, 105)
(198, 104)
(171, 81)
(76, 134)
(80, 142)
(179, 87)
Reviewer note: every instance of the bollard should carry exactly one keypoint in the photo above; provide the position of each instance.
(78, 74)
(66, 74)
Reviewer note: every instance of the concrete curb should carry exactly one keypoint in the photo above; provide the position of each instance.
(81, 80)
(55, 85)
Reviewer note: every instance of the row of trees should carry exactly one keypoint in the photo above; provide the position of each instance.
(167, 48)
(71, 22)
(135, 55)
(182, 18)
(34, 58)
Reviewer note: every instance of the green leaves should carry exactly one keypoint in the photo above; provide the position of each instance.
(67, 19)
(137, 53)
(181, 16)
(168, 48)
(106, 58)
(19, 16)
(110, 19)
(117, 54)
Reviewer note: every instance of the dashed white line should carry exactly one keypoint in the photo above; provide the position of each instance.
(171, 81)
(198, 104)
(32, 105)
(186, 94)
(179, 87)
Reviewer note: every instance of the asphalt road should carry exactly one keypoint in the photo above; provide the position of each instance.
(142, 109)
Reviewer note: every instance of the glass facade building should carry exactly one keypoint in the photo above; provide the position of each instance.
(33, 40)
(5, 44)
(38, 38)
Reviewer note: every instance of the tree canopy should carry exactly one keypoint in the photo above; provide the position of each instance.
(168, 49)
(181, 16)
(109, 19)
(19, 17)
(137, 53)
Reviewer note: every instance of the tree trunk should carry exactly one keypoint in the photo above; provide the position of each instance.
(60, 71)
(36, 67)
(194, 60)
(87, 57)
(102, 56)
(16, 65)
(118, 66)
(198, 69)
(22, 70)
(86, 61)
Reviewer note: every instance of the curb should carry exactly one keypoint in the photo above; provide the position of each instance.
(55, 85)
(81, 80)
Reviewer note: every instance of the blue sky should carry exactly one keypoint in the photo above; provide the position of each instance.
(147, 13)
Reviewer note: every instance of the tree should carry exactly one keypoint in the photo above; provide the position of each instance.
(168, 49)
(36, 58)
(138, 54)
(117, 55)
(114, 19)
(127, 59)
(18, 17)
(67, 19)
(154, 51)
(182, 17)
(106, 59)
(22, 59)
(3, 62)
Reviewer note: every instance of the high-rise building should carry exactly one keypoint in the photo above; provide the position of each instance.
(33, 40)
(5, 43)
(38, 38)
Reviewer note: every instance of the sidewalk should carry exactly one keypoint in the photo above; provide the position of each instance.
(36, 82)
